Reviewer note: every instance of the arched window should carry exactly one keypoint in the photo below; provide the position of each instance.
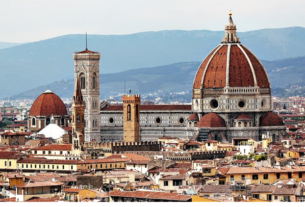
(82, 81)
(33, 121)
(77, 118)
(62, 121)
(94, 104)
(128, 112)
(196, 105)
(94, 81)
(48, 121)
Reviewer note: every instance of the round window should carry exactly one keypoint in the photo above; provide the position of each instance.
(111, 120)
(241, 104)
(214, 104)
(181, 120)
(158, 120)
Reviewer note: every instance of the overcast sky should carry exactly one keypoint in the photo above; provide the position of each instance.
(34, 20)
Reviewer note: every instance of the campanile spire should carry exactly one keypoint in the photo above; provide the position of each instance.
(230, 32)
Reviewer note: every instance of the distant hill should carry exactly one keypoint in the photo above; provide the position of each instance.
(39, 63)
(4, 45)
(169, 78)
(172, 78)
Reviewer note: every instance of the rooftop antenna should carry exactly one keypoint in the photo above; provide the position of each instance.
(86, 41)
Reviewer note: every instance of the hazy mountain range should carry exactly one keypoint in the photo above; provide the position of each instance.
(4, 45)
(176, 77)
(49, 63)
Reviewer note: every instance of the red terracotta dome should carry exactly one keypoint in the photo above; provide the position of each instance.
(243, 116)
(235, 61)
(231, 64)
(211, 120)
(271, 119)
(193, 117)
(48, 103)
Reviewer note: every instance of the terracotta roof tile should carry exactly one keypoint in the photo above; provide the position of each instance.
(173, 177)
(38, 199)
(215, 189)
(87, 51)
(39, 184)
(150, 195)
(10, 155)
(67, 147)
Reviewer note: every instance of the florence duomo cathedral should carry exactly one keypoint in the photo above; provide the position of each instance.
(231, 99)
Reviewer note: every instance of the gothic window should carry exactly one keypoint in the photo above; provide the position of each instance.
(93, 81)
(77, 118)
(85, 105)
(33, 121)
(94, 123)
(82, 81)
(128, 112)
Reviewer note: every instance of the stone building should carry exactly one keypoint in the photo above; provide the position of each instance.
(231, 98)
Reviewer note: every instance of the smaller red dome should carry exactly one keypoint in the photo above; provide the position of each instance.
(48, 103)
(243, 116)
(193, 117)
(271, 119)
(211, 120)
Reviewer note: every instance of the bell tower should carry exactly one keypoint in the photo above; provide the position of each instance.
(86, 64)
(131, 116)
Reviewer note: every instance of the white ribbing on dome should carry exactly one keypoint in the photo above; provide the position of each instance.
(228, 65)
(230, 32)
(250, 63)
(207, 65)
